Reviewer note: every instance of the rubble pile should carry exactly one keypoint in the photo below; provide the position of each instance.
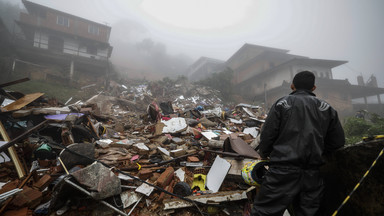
(184, 95)
(135, 150)
(134, 153)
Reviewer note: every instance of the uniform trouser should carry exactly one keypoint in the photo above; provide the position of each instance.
(285, 187)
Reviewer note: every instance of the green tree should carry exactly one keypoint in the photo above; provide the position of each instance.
(357, 128)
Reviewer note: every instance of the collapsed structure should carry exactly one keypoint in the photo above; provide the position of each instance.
(146, 152)
(157, 149)
(116, 148)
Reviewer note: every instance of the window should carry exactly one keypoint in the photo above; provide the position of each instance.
(93, 29)
(64, 21)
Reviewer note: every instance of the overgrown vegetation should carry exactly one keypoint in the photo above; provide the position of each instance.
(356, 128)
(222, 82)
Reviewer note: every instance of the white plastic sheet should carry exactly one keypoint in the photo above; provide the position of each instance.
(217, 174)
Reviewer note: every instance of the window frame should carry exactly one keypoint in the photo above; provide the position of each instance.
(93, 29)
(61, 20)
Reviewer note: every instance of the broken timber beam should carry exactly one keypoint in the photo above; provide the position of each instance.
(14, 82)
(22, 102)
(135, 167)
(93, 127)
(10, 143)
(12, 152)
(231, 154)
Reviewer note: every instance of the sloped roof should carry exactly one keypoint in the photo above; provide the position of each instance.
(217, 61)
(30, 6)
(252, 46)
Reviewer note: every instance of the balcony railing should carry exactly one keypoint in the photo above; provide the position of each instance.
(20, 41)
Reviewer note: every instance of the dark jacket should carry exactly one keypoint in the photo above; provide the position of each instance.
(299, 130)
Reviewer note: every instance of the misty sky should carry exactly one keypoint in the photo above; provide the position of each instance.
(351, 30)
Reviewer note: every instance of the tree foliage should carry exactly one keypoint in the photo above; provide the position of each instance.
(357, 128)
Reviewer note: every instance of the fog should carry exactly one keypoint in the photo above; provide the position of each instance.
(351, 30)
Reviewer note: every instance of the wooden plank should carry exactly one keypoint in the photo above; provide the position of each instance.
(22, 102)
(93, 127)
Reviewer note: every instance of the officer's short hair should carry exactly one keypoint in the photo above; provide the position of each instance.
(304, 80)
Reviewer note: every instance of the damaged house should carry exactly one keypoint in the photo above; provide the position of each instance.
(372, 103)
(264, 74)
(204, 67)
(73, 48)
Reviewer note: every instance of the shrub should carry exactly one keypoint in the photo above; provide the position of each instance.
(357, 128)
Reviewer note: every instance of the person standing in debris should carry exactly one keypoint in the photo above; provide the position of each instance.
(299, 130)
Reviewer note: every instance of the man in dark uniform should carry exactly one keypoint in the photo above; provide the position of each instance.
(299, 130)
